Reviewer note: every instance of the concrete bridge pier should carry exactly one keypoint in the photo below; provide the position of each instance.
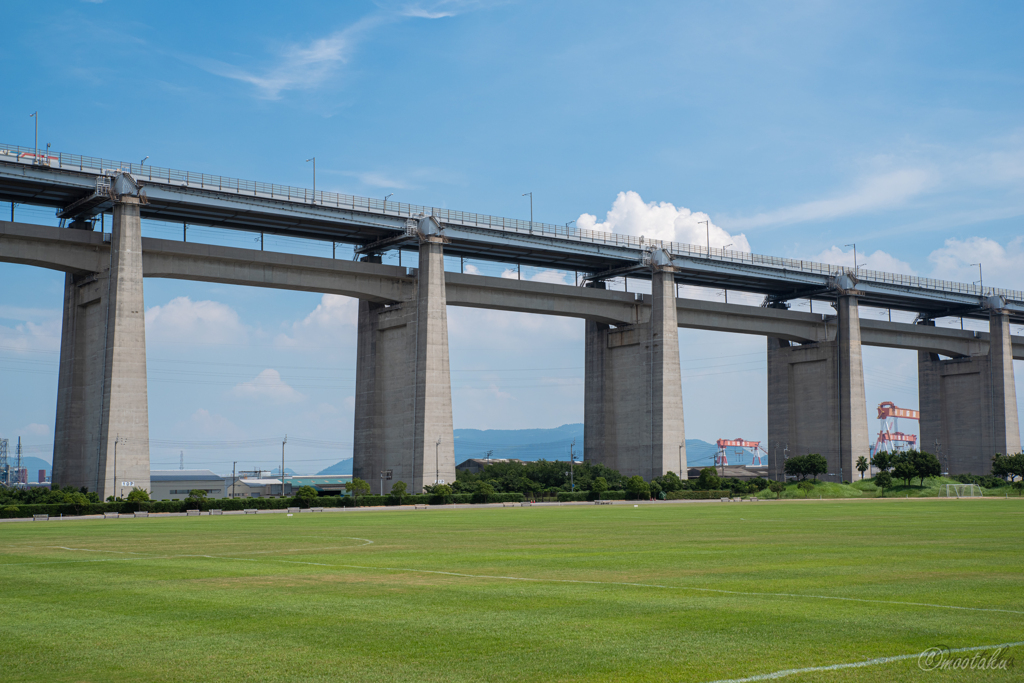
(403, 382)
(816, 401)
(633, 399)
(101, 390)
(969, 404)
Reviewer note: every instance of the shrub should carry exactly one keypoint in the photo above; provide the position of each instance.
(138, 495)
(305, 496)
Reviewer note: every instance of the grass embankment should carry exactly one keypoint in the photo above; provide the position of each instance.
(933, 487)
(575, 593)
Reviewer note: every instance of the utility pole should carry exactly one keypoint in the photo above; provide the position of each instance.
(19, 462)
(282, 464)
(117, 440)
(572, 460)
(437, 466)
(181, 462)
(233, 479)
(681, 444)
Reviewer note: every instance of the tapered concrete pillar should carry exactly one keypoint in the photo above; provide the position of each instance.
(102, 388)
(1005, 421)
(816, 400)
(969, 404)
(403, 382)
(853, 416)
(633, 399)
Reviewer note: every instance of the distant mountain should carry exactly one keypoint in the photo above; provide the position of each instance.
(548, 444)
(340, 467)
(532, 444)
(522, 444)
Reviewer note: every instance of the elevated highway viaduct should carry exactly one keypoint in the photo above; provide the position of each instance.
(633, 409)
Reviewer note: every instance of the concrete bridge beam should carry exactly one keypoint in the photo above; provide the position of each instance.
(102, 390)
(403, 414)
(633, 400)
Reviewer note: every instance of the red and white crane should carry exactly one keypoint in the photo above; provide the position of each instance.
(890, 438)
(721, 458)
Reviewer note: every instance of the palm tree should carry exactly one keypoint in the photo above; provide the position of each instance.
(862, 465)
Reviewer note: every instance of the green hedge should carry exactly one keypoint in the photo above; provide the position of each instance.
(697, 495)
(56, 510)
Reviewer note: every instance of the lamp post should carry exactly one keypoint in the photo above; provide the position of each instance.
(854, 245)
(530, 194)
(143, 162)
(707, 228)
(386, 199)
(313, 159)
(681, 444)
(35, 154)
(981, 278)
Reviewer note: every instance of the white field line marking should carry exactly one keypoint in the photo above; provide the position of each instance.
(856, 665)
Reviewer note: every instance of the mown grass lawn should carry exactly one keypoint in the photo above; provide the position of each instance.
(665, 592)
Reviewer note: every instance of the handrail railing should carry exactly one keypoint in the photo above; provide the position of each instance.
(326, 199)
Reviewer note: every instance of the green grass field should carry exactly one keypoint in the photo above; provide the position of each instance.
(667, 592)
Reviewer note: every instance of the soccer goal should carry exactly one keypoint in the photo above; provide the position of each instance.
(963, 491)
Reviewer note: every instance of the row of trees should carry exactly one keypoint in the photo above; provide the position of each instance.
(906, 465)
(803, 466)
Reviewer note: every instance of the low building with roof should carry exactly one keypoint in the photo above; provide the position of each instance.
(177, 484)
(476, 465)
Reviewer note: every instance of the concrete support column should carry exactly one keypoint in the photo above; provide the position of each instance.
(1003, 389)
(102, 388)
(633, 399)
(403, 384)
(969, 404)
(816, 400)
(853, 416)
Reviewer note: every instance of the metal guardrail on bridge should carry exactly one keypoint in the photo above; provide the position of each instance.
(255, 188)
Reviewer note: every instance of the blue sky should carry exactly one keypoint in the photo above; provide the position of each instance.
(798, 128)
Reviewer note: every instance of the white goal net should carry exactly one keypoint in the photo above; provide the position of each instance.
(963, 491)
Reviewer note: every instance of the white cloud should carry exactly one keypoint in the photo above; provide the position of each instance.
(471, 269)
(299, 66)
(35, 429)
(1001, 265)
(629, 215)
(32, 337)
(879, 260)
(267, 386)
(438, 9)
(182, 320)
(874, 193)
(335, 316)
(552, 276)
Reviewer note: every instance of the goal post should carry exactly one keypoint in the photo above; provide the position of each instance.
(963, 491)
